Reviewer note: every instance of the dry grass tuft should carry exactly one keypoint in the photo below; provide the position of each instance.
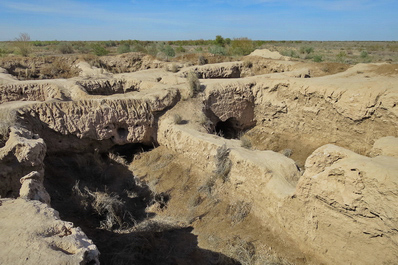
(7, 119)
(223, 163)
(245, 142)
(177, 119)
(108, 206)
(193, 84)
(238, 211)
(246, 253)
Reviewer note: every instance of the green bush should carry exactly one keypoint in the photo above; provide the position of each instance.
(341, 56)
(242, 46)
(152, 49)
(364, 54)
(169, 51)
(110, 43)
(138, 47)
(317, 58)
(219, 41)
(180, 49)
(217, 50)
(306, 50)
(290, 53)
(124, 48)
(99, 50)
(81, 47)
(38, 43)
(3, 52)
(227, 41)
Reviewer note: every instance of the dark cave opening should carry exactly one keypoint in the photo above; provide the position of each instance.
(128, 151)
(229, 129)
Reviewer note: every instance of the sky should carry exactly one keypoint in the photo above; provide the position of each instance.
(322, 20)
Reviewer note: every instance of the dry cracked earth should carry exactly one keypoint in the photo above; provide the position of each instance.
(269, 161)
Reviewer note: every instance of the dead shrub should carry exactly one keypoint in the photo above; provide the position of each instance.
(59, 68)
(238, 211)
(193, 84)
(208, 186)
(7, 119)
(223, 163)
(108, 206)
(202, 60)
(243, 251)
(245, 142)
(205, 122)
(177, 119)
(172, 68)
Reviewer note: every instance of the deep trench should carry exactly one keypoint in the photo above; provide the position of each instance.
(97, 192)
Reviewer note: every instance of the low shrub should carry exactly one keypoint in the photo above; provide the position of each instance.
(218, 50)
(124, 48)
(169, 51)
(242, 46)
(306, 50)
(193, 84)
(180, 49)
(364, 54)
(290, 53)
(202, 60)
(65, 48)
(317, 58)
(99, 50)
(59, 68)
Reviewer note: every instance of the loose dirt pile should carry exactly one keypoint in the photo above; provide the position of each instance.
(268, 161)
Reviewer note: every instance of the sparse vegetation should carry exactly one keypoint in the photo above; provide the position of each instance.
(23, 44)
(290, 53)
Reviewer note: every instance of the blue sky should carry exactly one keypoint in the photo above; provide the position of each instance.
(189, 19)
